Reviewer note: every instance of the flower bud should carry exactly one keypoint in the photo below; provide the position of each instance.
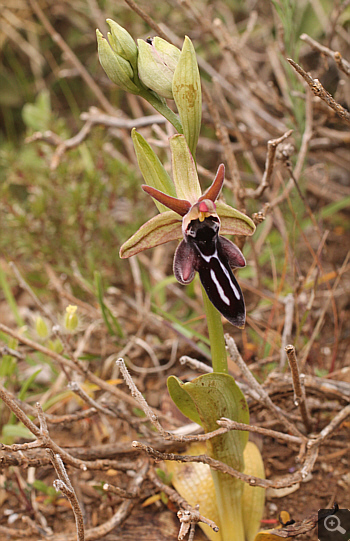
(156, 65)
(122, 43)
(71, 320)
(116, 67)
(41, 328)
(55, 345)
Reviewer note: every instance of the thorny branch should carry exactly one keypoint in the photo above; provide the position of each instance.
(118, 517)
(73, 365)
(312, 446)
(258, 389)
(43, 439)
(63, 484)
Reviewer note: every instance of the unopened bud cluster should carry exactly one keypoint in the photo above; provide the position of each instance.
(148, 65)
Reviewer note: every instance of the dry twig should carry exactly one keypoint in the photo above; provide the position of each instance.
(64, 485)
(342, 64)
(286, 481)
(321, 92)
(75, 387)
(269, 165)
(287, 329)
(72, 57)
(120, 491)
(73, 365)
(299, 388)
(259, 390)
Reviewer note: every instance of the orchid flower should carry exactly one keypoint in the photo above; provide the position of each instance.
(197, 219)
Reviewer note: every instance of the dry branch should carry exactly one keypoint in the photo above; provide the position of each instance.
(299, 388)
(269, 165)
(319, 91)
(342, 64)
(259, 390)
(286, 481)
(64, 485)
(73, 365)
(94, 534)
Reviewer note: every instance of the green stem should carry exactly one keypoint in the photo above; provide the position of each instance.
(216, 336)
(163, 109)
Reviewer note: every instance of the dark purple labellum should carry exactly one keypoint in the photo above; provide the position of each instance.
(212, 256)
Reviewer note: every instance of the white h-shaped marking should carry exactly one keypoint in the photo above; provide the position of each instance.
(207, 258)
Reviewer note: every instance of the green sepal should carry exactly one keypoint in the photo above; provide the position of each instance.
(158, 230)
(233, 222)
(187, 94)
(184, 170)
(182, 399)
(151, 168)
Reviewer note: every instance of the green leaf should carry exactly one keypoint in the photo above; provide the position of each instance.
(182, 399)
(217, 395)
(8, 366)
(4, 285)
(110, 320)
(27, 383)
(151, 168)
(17, 431)
(38, 115)
(43, 487)
(163, 476)
(188, 94)
(334, 208)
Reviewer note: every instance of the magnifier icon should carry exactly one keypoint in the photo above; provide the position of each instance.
(332, 524)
